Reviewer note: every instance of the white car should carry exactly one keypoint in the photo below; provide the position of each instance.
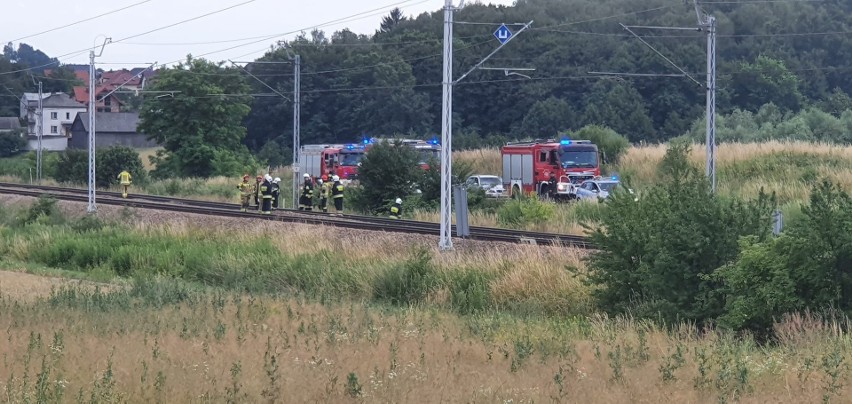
(596, 189)
(491, 184)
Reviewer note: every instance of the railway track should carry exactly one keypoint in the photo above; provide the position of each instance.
(145, 201)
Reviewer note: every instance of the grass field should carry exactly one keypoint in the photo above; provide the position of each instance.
(247, 312)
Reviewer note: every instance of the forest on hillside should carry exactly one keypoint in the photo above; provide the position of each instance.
(794, 54)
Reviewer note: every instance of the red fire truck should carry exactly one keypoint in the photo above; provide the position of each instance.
(320, 159)
(528, 166)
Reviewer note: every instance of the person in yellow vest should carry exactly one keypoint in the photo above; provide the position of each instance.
(325, 192)
(337, 195)
(246, 191)
(396, 209)
(125, 178)
(266, 195)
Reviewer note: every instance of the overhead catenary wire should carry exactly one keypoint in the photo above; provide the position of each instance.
(80, 21)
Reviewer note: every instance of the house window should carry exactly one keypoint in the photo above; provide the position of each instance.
(54, 129)
(108, 101)
(53, 115)
(67, 115)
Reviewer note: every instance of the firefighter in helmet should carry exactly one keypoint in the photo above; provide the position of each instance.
(396, 209)
(325, 192)
(276, 193)
(337, 194)
(246, 189)
(306, 200)
(125, 179)
(256, 189)
(266, 195)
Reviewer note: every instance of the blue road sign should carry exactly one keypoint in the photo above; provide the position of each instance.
(503, 34)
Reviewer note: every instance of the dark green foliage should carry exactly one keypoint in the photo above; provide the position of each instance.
(656, 255)
(519, 212)
(201, 134)
(387, 172)
(44, 208)
(470, 291)
(11, 143)
(547, 118)
(274, 154)
(410, 283)
(109, 163)
(764, 81)
(430, 180)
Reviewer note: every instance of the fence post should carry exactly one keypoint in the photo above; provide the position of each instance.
(777, 222)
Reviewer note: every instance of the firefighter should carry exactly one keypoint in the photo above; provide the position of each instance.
(396, 209)
(337, 195)
(551, 189)
(325, 191)
(246, 189)
(256, 191)
(266, 195)
(125, 179)
(276, 193)
(306, 200)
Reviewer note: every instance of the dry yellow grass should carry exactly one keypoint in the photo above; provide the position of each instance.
(145, 154)
(482, 161)
(221, 348)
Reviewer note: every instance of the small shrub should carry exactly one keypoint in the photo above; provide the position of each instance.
(409, 283)
(518, 213)
(470, 292)
(43, 209)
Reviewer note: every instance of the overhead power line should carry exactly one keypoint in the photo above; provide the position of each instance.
(80, 21)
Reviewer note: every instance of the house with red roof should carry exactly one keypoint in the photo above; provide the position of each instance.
(108, 104)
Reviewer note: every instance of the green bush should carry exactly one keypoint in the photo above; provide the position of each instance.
(656, 255)
(109, 163)
(611, 144)
(11, 143)
(387, 172)
(470, 291)
(520, 212)
(410, 283)
(44, 210)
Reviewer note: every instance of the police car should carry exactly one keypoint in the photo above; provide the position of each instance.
(597, 189)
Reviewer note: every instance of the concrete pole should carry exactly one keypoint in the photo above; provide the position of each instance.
(92, 208)
(297, 88)
(711, 101)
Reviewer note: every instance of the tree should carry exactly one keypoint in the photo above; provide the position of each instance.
(766, 80)
(392, 20)
(387, 172)
(547, 118)
(109, 162)
(656, 255)
(611, 144)
(200, 127)
(12, 143)
(620, 107)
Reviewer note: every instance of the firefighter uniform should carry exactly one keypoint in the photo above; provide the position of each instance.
(125, 179)
(325, 192)
(246, 190)
(306, 199)
(256, 192)
(266, 195)
(276, 193)
(337, 194)
(396, 209)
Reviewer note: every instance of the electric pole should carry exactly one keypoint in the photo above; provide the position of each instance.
(708, 24)
(297, 109)
(504, 35)
(40, 132)
(92, 208)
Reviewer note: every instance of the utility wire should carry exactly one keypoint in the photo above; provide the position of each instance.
(80, 21)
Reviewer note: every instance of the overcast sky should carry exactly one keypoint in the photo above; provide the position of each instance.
(246, 28)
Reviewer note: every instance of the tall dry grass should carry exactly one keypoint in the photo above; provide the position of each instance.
(482, 161)
(76, 345)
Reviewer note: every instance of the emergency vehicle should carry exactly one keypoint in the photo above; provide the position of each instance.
(528, 166)
(426, 151)
(320, 159)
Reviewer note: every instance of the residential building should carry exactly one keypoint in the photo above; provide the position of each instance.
(59, 111)
(9, 124)
(109, 104)
(111, 129)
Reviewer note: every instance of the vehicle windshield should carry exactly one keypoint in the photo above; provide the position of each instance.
(350, 159)
(489, 182)
(607, 186)
(579, 159)
(426, 155)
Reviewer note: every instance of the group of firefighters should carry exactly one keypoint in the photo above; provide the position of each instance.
(266, 194)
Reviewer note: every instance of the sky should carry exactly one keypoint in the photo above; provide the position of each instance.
(248, 27)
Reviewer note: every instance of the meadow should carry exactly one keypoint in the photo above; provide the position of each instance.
(170, 309)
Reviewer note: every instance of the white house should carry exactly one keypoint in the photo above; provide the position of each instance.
(60, 110)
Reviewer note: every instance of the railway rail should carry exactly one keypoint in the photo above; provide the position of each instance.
(359, 222)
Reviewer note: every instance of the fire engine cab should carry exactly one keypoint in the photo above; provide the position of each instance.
(320, 159)
(530, 167)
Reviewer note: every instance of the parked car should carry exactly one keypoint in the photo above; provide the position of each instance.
(598, 188)
(491, 184)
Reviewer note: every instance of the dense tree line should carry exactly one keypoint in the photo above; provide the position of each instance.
(20, 70)
(389, 83)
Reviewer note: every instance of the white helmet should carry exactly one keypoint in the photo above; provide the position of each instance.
(276, 180)
(335, 178)
(267, 177)
(399, 200)
(319, 181)
(306, 175)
